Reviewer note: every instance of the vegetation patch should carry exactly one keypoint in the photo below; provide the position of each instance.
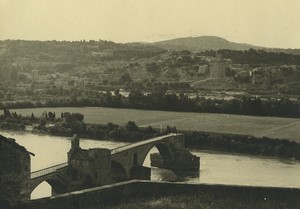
(204, 201)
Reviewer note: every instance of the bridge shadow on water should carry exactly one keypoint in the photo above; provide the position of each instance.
(158, 174)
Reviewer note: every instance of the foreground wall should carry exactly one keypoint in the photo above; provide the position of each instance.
(14, 172)
(105, 195)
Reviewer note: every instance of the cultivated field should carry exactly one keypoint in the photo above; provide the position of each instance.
(273, 127)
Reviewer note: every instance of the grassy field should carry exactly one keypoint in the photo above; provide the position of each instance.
(208, 201)
(273, 127)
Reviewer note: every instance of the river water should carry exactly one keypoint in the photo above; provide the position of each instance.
(215, 168)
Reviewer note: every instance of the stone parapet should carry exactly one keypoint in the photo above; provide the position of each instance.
(110, 194)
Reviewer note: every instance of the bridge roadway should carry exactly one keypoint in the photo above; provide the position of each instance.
(49, 170)
(138, 144)
(55, 168)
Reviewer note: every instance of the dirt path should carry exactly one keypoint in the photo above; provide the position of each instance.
(280, 128)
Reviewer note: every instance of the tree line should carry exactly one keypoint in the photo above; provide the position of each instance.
(243, 144)
(160, 100)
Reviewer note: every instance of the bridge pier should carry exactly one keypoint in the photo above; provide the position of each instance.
(56, 191)
(182, 160)
(140, 172)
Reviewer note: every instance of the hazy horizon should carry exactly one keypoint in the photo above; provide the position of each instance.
(264, 23)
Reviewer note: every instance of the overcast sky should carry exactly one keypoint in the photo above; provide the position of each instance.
(272, 23)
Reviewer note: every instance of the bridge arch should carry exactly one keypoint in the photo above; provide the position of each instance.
(118, 172)
(57, 186)
(163, 149)
(138, 157)
(129, 159)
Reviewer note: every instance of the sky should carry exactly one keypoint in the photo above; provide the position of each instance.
(270, 23)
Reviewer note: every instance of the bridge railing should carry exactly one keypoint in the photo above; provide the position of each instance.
(48, 170)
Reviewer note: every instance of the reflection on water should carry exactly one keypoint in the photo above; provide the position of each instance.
(215, 168)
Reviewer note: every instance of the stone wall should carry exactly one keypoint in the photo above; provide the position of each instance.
(14, 171)
(111, 194)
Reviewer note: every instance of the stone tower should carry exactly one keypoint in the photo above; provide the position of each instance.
(91, 166)
(217, 68)
(74, 146)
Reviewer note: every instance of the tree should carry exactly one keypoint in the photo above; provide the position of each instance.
(152, 68)
(8, 96)
(51, 115)
(7, 113)
(2, 94)
(42, 122)
(135, 97)
(125, 79)
(78, 116)
(117, 92)
(229, 72)
(131, 126)
(170, 129)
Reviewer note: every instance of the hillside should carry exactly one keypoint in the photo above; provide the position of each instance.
(203, 43)
(41, 70)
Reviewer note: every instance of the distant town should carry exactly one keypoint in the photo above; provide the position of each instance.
(51, 70)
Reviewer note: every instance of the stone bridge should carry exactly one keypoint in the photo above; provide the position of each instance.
(128, 160)
(55, 176)
(95, 167)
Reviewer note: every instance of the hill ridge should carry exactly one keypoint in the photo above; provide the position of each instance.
(202, 43)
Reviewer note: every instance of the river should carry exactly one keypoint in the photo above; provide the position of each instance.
(215, 167)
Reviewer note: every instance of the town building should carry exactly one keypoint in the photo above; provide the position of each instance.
(14, 172)
(203, 69)
(217, 68)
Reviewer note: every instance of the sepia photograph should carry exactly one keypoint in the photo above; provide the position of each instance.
(149, 104)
